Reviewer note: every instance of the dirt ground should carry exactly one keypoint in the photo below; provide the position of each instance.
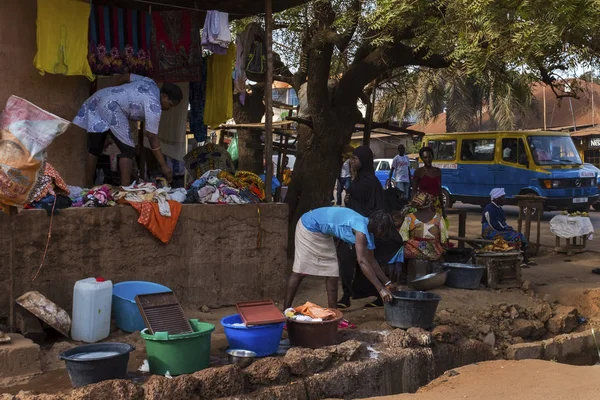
(566, 278)
(514, 380)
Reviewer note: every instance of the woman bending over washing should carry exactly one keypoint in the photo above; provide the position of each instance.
(315, 252)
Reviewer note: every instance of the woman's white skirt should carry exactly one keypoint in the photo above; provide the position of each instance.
(315, 253)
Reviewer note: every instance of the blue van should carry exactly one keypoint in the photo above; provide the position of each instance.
(541, 163)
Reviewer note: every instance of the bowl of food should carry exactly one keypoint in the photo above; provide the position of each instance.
(429, 281)
(243, 358)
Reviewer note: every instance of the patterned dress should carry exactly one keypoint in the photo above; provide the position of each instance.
(112, 108)
(423, 240)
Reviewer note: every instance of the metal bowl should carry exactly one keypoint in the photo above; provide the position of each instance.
(429, 281)
(243, 358)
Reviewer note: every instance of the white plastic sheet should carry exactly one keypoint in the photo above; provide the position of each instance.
(567, 227)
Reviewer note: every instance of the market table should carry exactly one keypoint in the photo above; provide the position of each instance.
(576, 230)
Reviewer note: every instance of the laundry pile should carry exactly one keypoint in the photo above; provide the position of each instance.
(222, 187)
(309, 312)
(99, 196)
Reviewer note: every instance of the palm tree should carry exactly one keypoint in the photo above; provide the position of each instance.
(425, 93)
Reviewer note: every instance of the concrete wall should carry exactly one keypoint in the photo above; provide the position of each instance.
(218, 255)
(60, 95)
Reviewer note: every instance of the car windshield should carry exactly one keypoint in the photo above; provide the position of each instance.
(553, 150)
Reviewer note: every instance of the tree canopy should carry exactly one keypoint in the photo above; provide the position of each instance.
(341, 49)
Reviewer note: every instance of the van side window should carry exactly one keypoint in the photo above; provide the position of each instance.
(509, 150)
(513, 151)
(478, 150)
(384, 166)
(443, 149)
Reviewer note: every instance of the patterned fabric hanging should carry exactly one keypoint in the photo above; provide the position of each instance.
(176, 48)
(120, 41)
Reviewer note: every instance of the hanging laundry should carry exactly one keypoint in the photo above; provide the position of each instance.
(197, 104)
(216, 36)
(62, 31)
(244, 41)
(120, 41)
(219, 89)
(149, 216)
(176, 49)
(173, 128)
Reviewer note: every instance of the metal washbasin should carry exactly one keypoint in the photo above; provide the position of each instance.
(429, 281)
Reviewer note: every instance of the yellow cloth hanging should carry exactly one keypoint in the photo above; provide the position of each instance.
(219, 88)
(62, 37)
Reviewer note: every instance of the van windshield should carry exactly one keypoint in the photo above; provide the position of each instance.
(553, 150)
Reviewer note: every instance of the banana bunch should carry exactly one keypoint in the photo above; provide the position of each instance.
(498, 245)
(575, 214)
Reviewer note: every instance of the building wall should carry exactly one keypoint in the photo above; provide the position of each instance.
(60, 95)
(218, 255)
(388, 148)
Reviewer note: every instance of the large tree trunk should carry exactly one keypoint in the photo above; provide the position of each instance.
(250, 147)
(319, 155)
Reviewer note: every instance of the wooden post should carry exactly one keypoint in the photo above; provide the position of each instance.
(279, 173)
(462, 227)
(269, 101)
(544, 95)
(540, 211)
(12, 212)
(142, 159)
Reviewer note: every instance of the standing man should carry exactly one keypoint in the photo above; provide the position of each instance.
(401, 171)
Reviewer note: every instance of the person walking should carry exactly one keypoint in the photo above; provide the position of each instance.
(400, 172)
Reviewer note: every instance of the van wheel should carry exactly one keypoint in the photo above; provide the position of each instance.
(446, 199)
(597, 206)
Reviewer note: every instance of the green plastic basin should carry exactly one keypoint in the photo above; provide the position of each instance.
(179, 354)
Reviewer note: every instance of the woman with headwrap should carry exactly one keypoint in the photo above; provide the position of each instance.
(494, 225)
(365, 196)
(424, 229)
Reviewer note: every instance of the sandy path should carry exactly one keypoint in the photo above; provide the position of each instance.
(514, 380)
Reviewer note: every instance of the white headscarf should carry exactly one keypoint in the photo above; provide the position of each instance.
(496, 193)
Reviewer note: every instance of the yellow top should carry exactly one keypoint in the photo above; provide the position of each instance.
(219, 88)
(62, 38)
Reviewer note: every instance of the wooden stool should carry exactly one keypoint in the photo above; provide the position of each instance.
(572, 246)
(526, 206)
(503, 269)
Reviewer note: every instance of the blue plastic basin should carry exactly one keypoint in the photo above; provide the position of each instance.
(126, 312)
(261, 339)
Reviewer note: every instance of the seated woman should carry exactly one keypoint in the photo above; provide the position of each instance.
(494, 225)
(315, 252)
(424, 229)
